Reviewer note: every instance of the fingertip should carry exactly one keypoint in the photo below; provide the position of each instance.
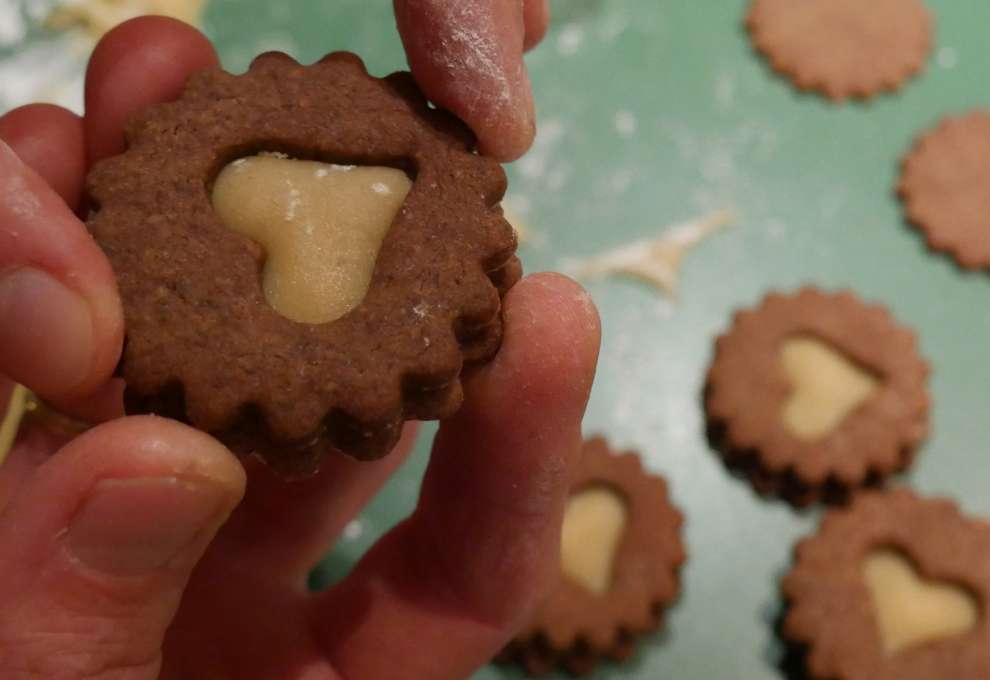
(467, 57)
(536, 14)
(141, 62)
(50, 140)
(155, 446)
(552, 338)
(507, 133)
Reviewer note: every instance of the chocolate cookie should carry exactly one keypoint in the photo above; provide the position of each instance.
(813, 395)
(221, 330)
(620, 554)
(842, 48)
(894, 587)
(945, 186)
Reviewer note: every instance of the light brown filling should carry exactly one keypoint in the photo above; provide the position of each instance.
(321, 226)
(594, 522)
(911, 610)
(825, 387)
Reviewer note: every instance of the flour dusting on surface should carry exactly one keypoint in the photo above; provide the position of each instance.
(569, 40)
(625, 123)
(19, 199)
(947, 57)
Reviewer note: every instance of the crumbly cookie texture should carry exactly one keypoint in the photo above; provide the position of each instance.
(205, 345)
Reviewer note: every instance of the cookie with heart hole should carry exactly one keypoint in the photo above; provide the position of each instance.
(815, 394)
(621, 551)
(307, 257)
(945, 187)
(842, 48)
(892, 587)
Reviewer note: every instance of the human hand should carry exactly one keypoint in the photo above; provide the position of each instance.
(467, 56)
(135, 553)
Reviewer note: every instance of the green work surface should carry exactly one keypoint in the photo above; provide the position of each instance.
(654, 112)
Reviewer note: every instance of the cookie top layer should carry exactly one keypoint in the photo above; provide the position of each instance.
(842, 48)
(894, 587)
(819, 390)
(204, 344)
(618, 576)
(945, 186)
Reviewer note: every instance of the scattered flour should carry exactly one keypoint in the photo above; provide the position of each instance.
(569, 40)
(625, 123)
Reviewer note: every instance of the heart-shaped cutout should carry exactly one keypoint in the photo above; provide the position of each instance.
(594, 523)
(911, 610)
(321, 226)
(826, 386)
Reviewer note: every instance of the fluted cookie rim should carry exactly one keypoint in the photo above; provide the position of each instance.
(286, 391)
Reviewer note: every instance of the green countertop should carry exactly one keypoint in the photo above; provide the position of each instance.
(654, 112)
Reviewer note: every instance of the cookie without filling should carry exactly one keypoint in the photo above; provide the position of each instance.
(945, 186)
(842, 48)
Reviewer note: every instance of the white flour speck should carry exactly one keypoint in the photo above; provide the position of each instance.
(625, 123)
(321, 173)
(295, 200)
(947, 57)
(570, 39)
(353, 530)
(20, 200)
(725, 91)
(381, 188)
(420, 310)
(342, 168)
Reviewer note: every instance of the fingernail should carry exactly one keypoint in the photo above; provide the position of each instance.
(46, 332)
(134, 526)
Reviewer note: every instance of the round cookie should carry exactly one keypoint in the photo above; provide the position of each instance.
(620, 555)
(842, 48)
(894, 587)
(217, 334)
(813, 395)
(945, 187)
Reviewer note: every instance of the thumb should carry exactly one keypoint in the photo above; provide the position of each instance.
(98, 545)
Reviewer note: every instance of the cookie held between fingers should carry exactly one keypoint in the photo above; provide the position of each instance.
(221, 330)
(813, 395)
(945, 187)
(842, 48)
(621, 552)
(892, 588)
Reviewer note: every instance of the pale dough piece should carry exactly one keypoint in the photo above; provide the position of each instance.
(321, 226)
(593, 526)
(11, 420)
(911, 610)
(825, 387)
(96, 17)
(657, 261)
